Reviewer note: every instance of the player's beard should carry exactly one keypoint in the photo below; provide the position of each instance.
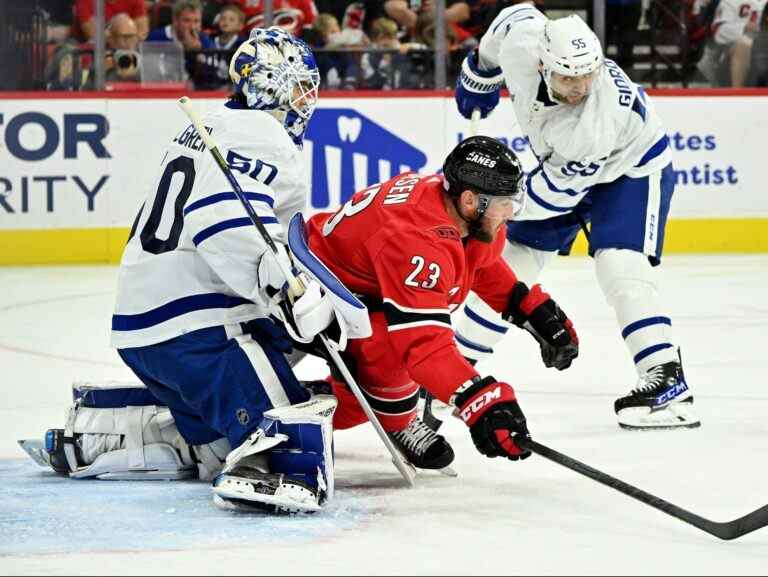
(480, 230)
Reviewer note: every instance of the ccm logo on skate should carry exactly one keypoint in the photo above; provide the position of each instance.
(667, 396)
(479, 403)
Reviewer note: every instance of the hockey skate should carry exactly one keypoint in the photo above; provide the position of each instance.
(286, 465)
(422, 447)
(248, 487)
(661, 400)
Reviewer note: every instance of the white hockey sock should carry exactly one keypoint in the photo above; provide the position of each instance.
(629, 284)
(478, 327)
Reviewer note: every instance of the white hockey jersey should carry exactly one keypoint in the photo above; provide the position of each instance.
(615, 132)
(191, 261)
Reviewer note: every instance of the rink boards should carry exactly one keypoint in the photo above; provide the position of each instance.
(74, 171)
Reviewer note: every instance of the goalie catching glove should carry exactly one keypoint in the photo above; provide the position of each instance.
(535, 311)
(494, 418)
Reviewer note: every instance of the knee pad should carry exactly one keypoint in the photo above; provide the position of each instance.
(624, 274)
(121, 432)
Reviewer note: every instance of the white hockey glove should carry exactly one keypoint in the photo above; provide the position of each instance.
(310, 314)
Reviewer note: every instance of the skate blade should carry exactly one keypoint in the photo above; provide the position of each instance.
(232, 495)
(34, 448)
(675, 416)
(448, 472)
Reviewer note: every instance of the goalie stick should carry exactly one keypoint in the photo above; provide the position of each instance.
(406, 469)
(724, 530)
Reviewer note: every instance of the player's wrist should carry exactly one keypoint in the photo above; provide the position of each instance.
(476, 79)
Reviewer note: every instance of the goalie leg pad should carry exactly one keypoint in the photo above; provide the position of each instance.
(106, 438)
(286, 466)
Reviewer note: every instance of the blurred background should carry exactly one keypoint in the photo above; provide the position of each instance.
(74, 45)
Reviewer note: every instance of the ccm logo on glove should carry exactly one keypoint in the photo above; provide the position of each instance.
(486, 398)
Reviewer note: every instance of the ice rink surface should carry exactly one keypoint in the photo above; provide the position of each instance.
(498, 517)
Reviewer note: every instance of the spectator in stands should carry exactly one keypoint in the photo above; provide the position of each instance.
(185, 28)
(470, 18)
(185, 31)
(122, 57)
(622, 18)
(727, 55)
(63, 71)
(338, 67)
(293, 15)
(383, 70)
(231, 22)
(406, 12)
(136, 9)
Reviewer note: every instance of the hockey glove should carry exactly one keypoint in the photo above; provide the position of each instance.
(535, 311)
(308, 315)
(494, 418)
(477, 88)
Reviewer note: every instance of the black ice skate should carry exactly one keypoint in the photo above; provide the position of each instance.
(246, 487)
(661, 400)
(422, 447)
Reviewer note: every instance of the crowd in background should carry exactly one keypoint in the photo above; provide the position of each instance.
(368, 44)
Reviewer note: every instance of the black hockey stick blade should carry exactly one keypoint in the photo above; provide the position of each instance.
(429, 418)
(726, 531)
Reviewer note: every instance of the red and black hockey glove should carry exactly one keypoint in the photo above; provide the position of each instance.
(535, 311)
(494, 418)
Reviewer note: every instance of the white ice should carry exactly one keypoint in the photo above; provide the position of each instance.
(498, 517)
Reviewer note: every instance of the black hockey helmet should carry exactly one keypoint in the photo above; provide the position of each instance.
(484, 166)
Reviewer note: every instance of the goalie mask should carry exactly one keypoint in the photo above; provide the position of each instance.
(571, 59)
(277, 73)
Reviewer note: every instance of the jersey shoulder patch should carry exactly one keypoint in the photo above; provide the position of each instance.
(446, 232)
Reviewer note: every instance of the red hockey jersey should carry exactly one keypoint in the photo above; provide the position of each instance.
(396, 244)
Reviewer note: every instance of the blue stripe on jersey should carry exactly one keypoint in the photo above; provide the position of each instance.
(472, 315)
(222, 196)
(553, 188)
(639, 107)
(228, 224)
(650, 350)
(653, 152)
(176, 308)
(540, 201)
(470, 345)
(641, 324)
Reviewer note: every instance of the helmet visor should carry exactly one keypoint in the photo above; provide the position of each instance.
(503, 207)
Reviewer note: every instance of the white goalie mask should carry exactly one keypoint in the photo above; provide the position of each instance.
(569, 48)
(277, 73)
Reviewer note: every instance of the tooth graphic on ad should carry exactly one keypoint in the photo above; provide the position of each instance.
(350, 151)
(349, 128)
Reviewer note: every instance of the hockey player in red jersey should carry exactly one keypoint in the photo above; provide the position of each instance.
(412, 248)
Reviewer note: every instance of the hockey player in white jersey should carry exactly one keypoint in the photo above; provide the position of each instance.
(604, 158)
(195, 290)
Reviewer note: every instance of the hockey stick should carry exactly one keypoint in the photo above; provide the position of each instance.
(726, 531)
(474, 121)
(406, 469)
